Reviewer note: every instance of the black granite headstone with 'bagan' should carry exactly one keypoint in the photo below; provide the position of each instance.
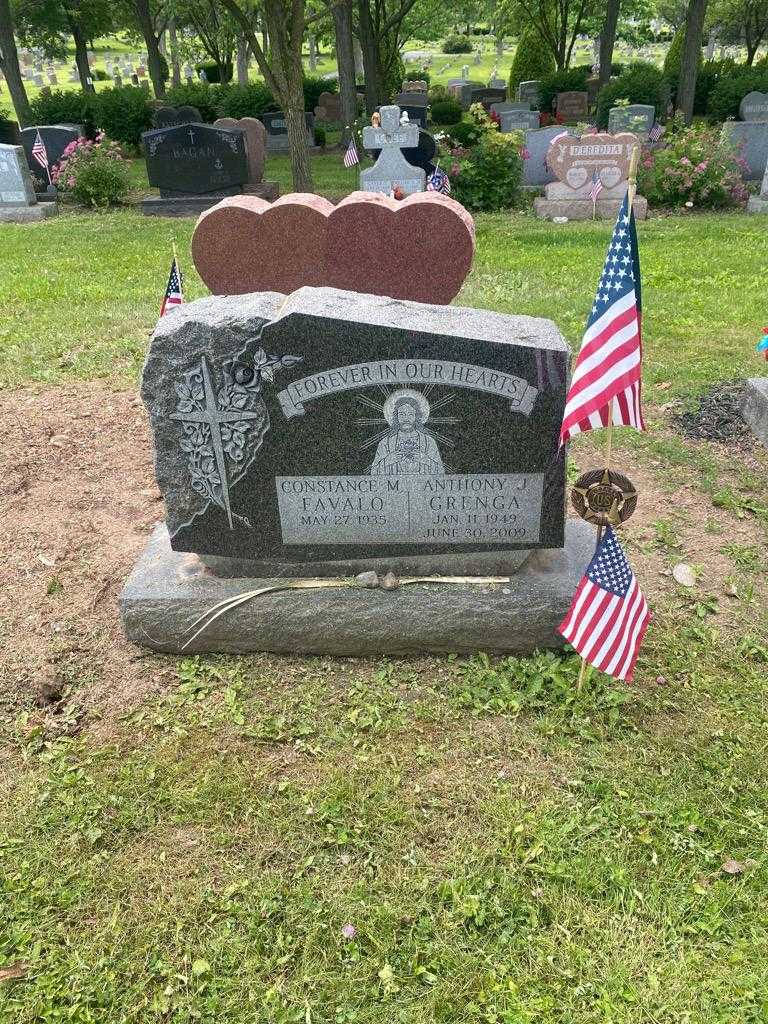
(331, 427)
(194, 165)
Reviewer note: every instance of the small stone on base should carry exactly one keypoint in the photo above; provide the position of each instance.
(754, 407)
(168, 591)
(581, 209)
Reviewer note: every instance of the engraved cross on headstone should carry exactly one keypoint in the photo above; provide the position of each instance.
(391, 167)
(191, 136)
(213, 417)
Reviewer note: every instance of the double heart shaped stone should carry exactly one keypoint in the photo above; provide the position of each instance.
(419, 248)
(577, 159)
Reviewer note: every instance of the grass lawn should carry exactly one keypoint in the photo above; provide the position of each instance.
(185, 839)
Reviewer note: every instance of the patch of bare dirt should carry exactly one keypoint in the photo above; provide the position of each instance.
(77, 502)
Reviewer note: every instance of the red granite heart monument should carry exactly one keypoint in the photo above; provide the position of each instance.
(419, 248)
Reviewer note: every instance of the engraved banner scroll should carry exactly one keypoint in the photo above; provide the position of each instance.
(518, 392)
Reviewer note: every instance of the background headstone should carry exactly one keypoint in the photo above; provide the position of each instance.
(329, 107)
(637, 117)
(56, 138)
(517, 120)
(277, 131)
(754, 107)
(759, 204)
(391, 168)
(536, 170)
(572, 106)
(255, 140)
(167, 117)
(751, 141)
(17, 193)
(487, 96)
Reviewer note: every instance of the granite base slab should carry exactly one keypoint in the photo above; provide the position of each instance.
(754, 407)
(269, 190)
(756, 204)
(178, 206)
(27, 214)
(581, 209)
(168, 591)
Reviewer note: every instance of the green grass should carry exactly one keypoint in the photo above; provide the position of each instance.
(86, 286)
(507, 849)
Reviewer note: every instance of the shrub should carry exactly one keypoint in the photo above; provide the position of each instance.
(93, 173)
(320, 136)
(438, 93)
(394, 76)
(465, 133)
(640, 83)
(123, 113)
(572, 80)
(710, 73)
(695, 165)
(206, 98)
(457, 44)
(446, 112)
(64, 107)
(532, 61)
(488, 176)
(729, 91)
(313, 86)
(250, 100)
(215, 74)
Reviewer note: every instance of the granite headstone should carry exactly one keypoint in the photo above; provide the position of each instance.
(536, 170)
(255, 144)
(572, 106)
(277, 130)
(391, 168)
(18, 202)
(638, 118)
(56, 138)
(754, 107)
(331, 427)
(750, 138)
(168, 117)
(487, 96)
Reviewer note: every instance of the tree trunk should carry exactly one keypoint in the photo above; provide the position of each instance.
(312, 52)
(9, 63)
(370, 57)
(154, 58)
(81, 56)
(607, 40)
(711, 44)
(345, 61)
(689, 65)
(242, 60)
(175, 62)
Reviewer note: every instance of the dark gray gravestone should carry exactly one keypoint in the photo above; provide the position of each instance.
(487, 96)
(636, 117)
(56, 138)
(168, 117)
(536, 171)
(277, 131)
(417, 112)
(333, 428)
(572, 106)
(529, 91)
(751, 141)
(518, 120)
(754, 107)
(196, 159)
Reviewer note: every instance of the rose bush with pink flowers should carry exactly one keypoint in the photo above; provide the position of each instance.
(694, 167)
(94, 172)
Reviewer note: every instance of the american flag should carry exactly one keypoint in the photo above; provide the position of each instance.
(606, 377)
(597, 188)
(40, 154)
(350, 157)
(438, 181)
(609, 615)
(656, 132)
(174, 292)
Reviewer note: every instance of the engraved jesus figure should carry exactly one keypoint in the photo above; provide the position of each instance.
(407, 448)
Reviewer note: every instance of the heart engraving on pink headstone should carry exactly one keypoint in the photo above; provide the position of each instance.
(610, 176)
(576, 176)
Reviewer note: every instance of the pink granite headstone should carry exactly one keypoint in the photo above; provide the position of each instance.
(255, 143)
(419, 248)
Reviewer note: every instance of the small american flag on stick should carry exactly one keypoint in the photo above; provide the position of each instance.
(609, 615)
(350, 157)
(40, 154)
(597, 188)
(174, 292)
(606, 382)
(438, 181)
